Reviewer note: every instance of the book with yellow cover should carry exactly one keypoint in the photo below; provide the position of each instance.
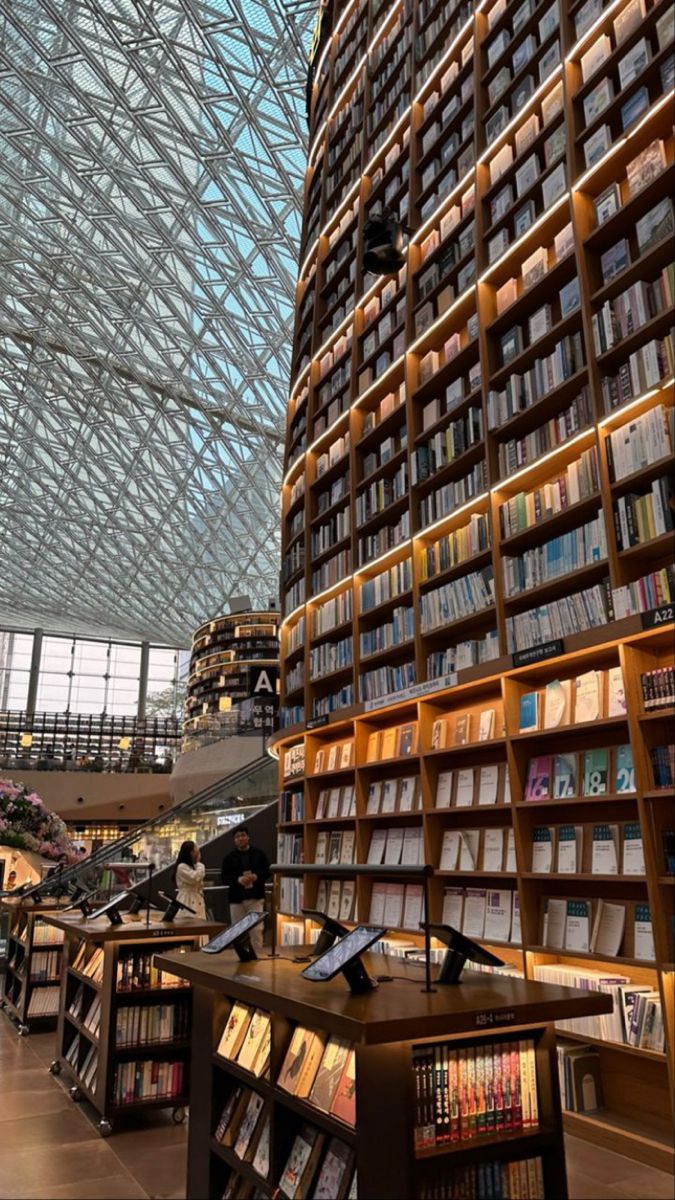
(252, 1042)
(389, 739)
(235, 1030)
(310, 1065)
(374, 743)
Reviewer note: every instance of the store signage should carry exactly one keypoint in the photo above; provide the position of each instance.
(656, 617)
(265, 682)
(535, 654)
(317, 722)
(411, 693)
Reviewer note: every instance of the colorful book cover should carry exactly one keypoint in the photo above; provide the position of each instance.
(529, 712)
(624, 776)
(564, 776)
(538, 786)
(596, 770)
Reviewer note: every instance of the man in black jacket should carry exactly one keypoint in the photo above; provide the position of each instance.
(245, 871)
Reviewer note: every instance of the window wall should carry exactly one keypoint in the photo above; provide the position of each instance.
(85, 675)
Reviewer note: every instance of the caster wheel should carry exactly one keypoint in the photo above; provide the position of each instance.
(178, 1115)
(75, 1094)
(105, 1128)
(55, 1067)
(23, 1031)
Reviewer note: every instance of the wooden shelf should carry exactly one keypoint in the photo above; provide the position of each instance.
(456, 384)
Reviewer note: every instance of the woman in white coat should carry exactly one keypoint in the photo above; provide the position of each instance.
(188, 877)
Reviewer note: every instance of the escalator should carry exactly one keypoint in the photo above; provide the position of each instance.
(247, 795)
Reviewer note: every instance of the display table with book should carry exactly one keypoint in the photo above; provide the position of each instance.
(305, 1087)
(123, 1026)
(30, 994)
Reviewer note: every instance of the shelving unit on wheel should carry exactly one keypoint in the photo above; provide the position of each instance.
(34, 960)
(116, 1009)
(385, 1027)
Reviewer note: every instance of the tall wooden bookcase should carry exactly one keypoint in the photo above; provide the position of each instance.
(485, 126)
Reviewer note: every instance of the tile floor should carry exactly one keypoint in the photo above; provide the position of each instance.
(50, 1149)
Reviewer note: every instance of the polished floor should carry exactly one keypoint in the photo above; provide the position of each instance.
(50, 1148)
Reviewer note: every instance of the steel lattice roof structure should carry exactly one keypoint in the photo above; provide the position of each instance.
(151, 163)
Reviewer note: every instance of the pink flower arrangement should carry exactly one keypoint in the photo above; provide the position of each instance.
(26, 824)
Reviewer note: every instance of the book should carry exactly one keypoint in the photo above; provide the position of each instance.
(538, 786)
(462, 727)
(248, 1124)
(529, 712)
(486, 725)
(557, 703)
(624, 774)
(344, 1103)
(465, 788)
(301, 1164)
(564, 776)
(333, 1179)
(488, 784)
(498, 908)
(444, 789)
(327, 1079)
(633, 858)
(587, 697)
(595, 772)
(252, 1051)
(578, 925)
(608, 929)
(543, 849)
(294, 1060)
(570, 849)
(643, 934)
(235, 1029)
(605, 859)
(616, 693)
(439, 733)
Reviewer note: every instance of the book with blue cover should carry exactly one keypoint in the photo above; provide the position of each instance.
(529, 712)
(624, 771)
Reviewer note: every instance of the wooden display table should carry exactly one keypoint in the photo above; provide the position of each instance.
(123, 1028)
(392, 1031)
(34, 951)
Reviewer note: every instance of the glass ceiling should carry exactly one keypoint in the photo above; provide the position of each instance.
(151, 163)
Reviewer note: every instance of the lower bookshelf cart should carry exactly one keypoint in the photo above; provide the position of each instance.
(124, 1027)
(30, 993)
(453, 1088)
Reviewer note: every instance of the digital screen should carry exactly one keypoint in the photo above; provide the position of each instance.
(342, 953)
(228, 936)
(100, 912)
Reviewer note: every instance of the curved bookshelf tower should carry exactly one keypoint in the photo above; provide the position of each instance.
(228, 654)
(477, 546)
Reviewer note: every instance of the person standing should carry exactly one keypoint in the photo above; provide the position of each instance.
(245, 871)
(188, 878)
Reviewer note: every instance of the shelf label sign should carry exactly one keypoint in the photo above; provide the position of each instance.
(489, 1020)
(535, 654)
(317, 722)
(656, 617)
(411, 693)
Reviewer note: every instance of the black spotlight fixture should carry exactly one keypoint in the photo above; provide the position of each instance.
(383, 245)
